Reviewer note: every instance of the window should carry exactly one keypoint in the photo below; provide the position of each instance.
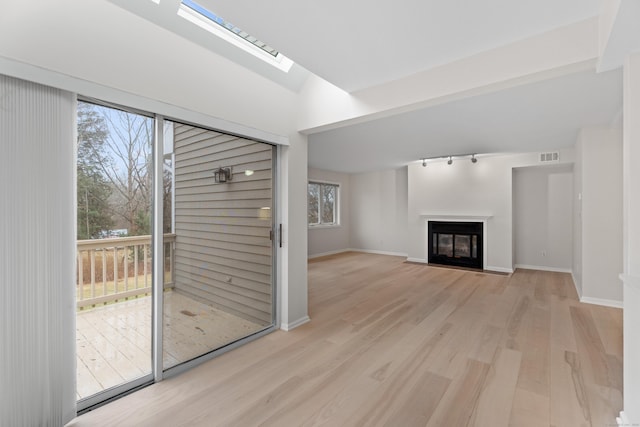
(322, 204)
(229, 26)
(204, 18)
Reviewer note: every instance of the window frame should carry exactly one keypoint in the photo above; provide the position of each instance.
(336, 204)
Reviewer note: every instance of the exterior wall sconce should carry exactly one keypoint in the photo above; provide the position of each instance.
(222, 175)
(450, 161)
(473, 158)
(424, 162)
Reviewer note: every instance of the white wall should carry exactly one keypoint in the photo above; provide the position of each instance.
(577, 219)
(464, 188)
(542, 217)
(379, 211)
(326, 240)
(600, 211)
(100, 42)
(97, 49)
(293, 294)
(631, 240)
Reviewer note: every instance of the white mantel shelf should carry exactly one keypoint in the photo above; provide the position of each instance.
(454, 217)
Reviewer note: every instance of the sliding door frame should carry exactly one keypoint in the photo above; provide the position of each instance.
(157, 245)
(276, 244)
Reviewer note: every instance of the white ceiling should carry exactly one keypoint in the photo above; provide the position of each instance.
(357, 44)
(546, 115)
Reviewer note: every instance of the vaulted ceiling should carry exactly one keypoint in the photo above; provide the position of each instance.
(357, 44)
(361, 46)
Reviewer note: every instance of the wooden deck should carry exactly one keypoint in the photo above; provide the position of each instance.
(114, 342)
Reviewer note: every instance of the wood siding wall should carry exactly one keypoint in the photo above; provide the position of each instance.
(223, 253)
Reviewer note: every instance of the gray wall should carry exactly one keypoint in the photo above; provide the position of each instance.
(542, 217)
(598, 203)
(223, 252)
(379, 211)
(325, 240)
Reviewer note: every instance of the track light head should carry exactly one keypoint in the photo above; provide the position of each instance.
(450, 161)
(473, 159)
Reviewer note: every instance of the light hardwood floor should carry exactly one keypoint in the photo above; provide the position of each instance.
(393, 343)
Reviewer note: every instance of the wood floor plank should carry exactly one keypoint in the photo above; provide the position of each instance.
(461, 398)
(529, 409)
(496, 398)
(534, 367)
(393, 343)
(568, 403)
(590, 347)
(608, 321)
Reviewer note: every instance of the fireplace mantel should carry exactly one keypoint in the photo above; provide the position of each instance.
(454, 217)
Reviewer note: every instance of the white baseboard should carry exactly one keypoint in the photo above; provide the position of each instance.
(496, 269)
(601, 301)
(544, 268)
(339, 251)
(575, 284)
(595, 301)
(499, 269)
(623, 421)
(368, 251)
(295, 324)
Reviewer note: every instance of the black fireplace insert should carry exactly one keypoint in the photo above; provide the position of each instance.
(455, 243)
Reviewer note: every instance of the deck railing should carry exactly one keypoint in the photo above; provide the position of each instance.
(117, 269)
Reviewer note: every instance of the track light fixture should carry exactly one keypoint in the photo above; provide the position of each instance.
(449, 158)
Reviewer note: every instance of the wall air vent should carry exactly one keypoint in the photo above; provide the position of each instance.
(551, 157)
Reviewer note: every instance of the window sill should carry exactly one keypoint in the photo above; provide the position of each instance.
(323, 226)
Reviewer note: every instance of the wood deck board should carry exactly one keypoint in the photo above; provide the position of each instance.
(114, 342)
(395, 343)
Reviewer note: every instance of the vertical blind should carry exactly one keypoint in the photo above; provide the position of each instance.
(37, 252)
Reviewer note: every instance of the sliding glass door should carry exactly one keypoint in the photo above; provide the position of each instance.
(202, 203)
(221, 284)
(114, 280)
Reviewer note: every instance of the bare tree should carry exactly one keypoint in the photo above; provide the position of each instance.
(94, 191)
(129, 171)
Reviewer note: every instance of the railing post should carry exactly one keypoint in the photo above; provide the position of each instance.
(80, 276)
(146, 261)
(126, 268)
(115, 270)
(93, 272)
(104, 272)
(135, 265)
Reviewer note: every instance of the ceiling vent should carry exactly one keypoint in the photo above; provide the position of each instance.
(551, 157)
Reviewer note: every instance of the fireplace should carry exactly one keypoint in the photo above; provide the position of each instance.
(455, 243)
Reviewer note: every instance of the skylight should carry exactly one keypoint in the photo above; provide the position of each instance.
(207, 20)
(229, 26)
